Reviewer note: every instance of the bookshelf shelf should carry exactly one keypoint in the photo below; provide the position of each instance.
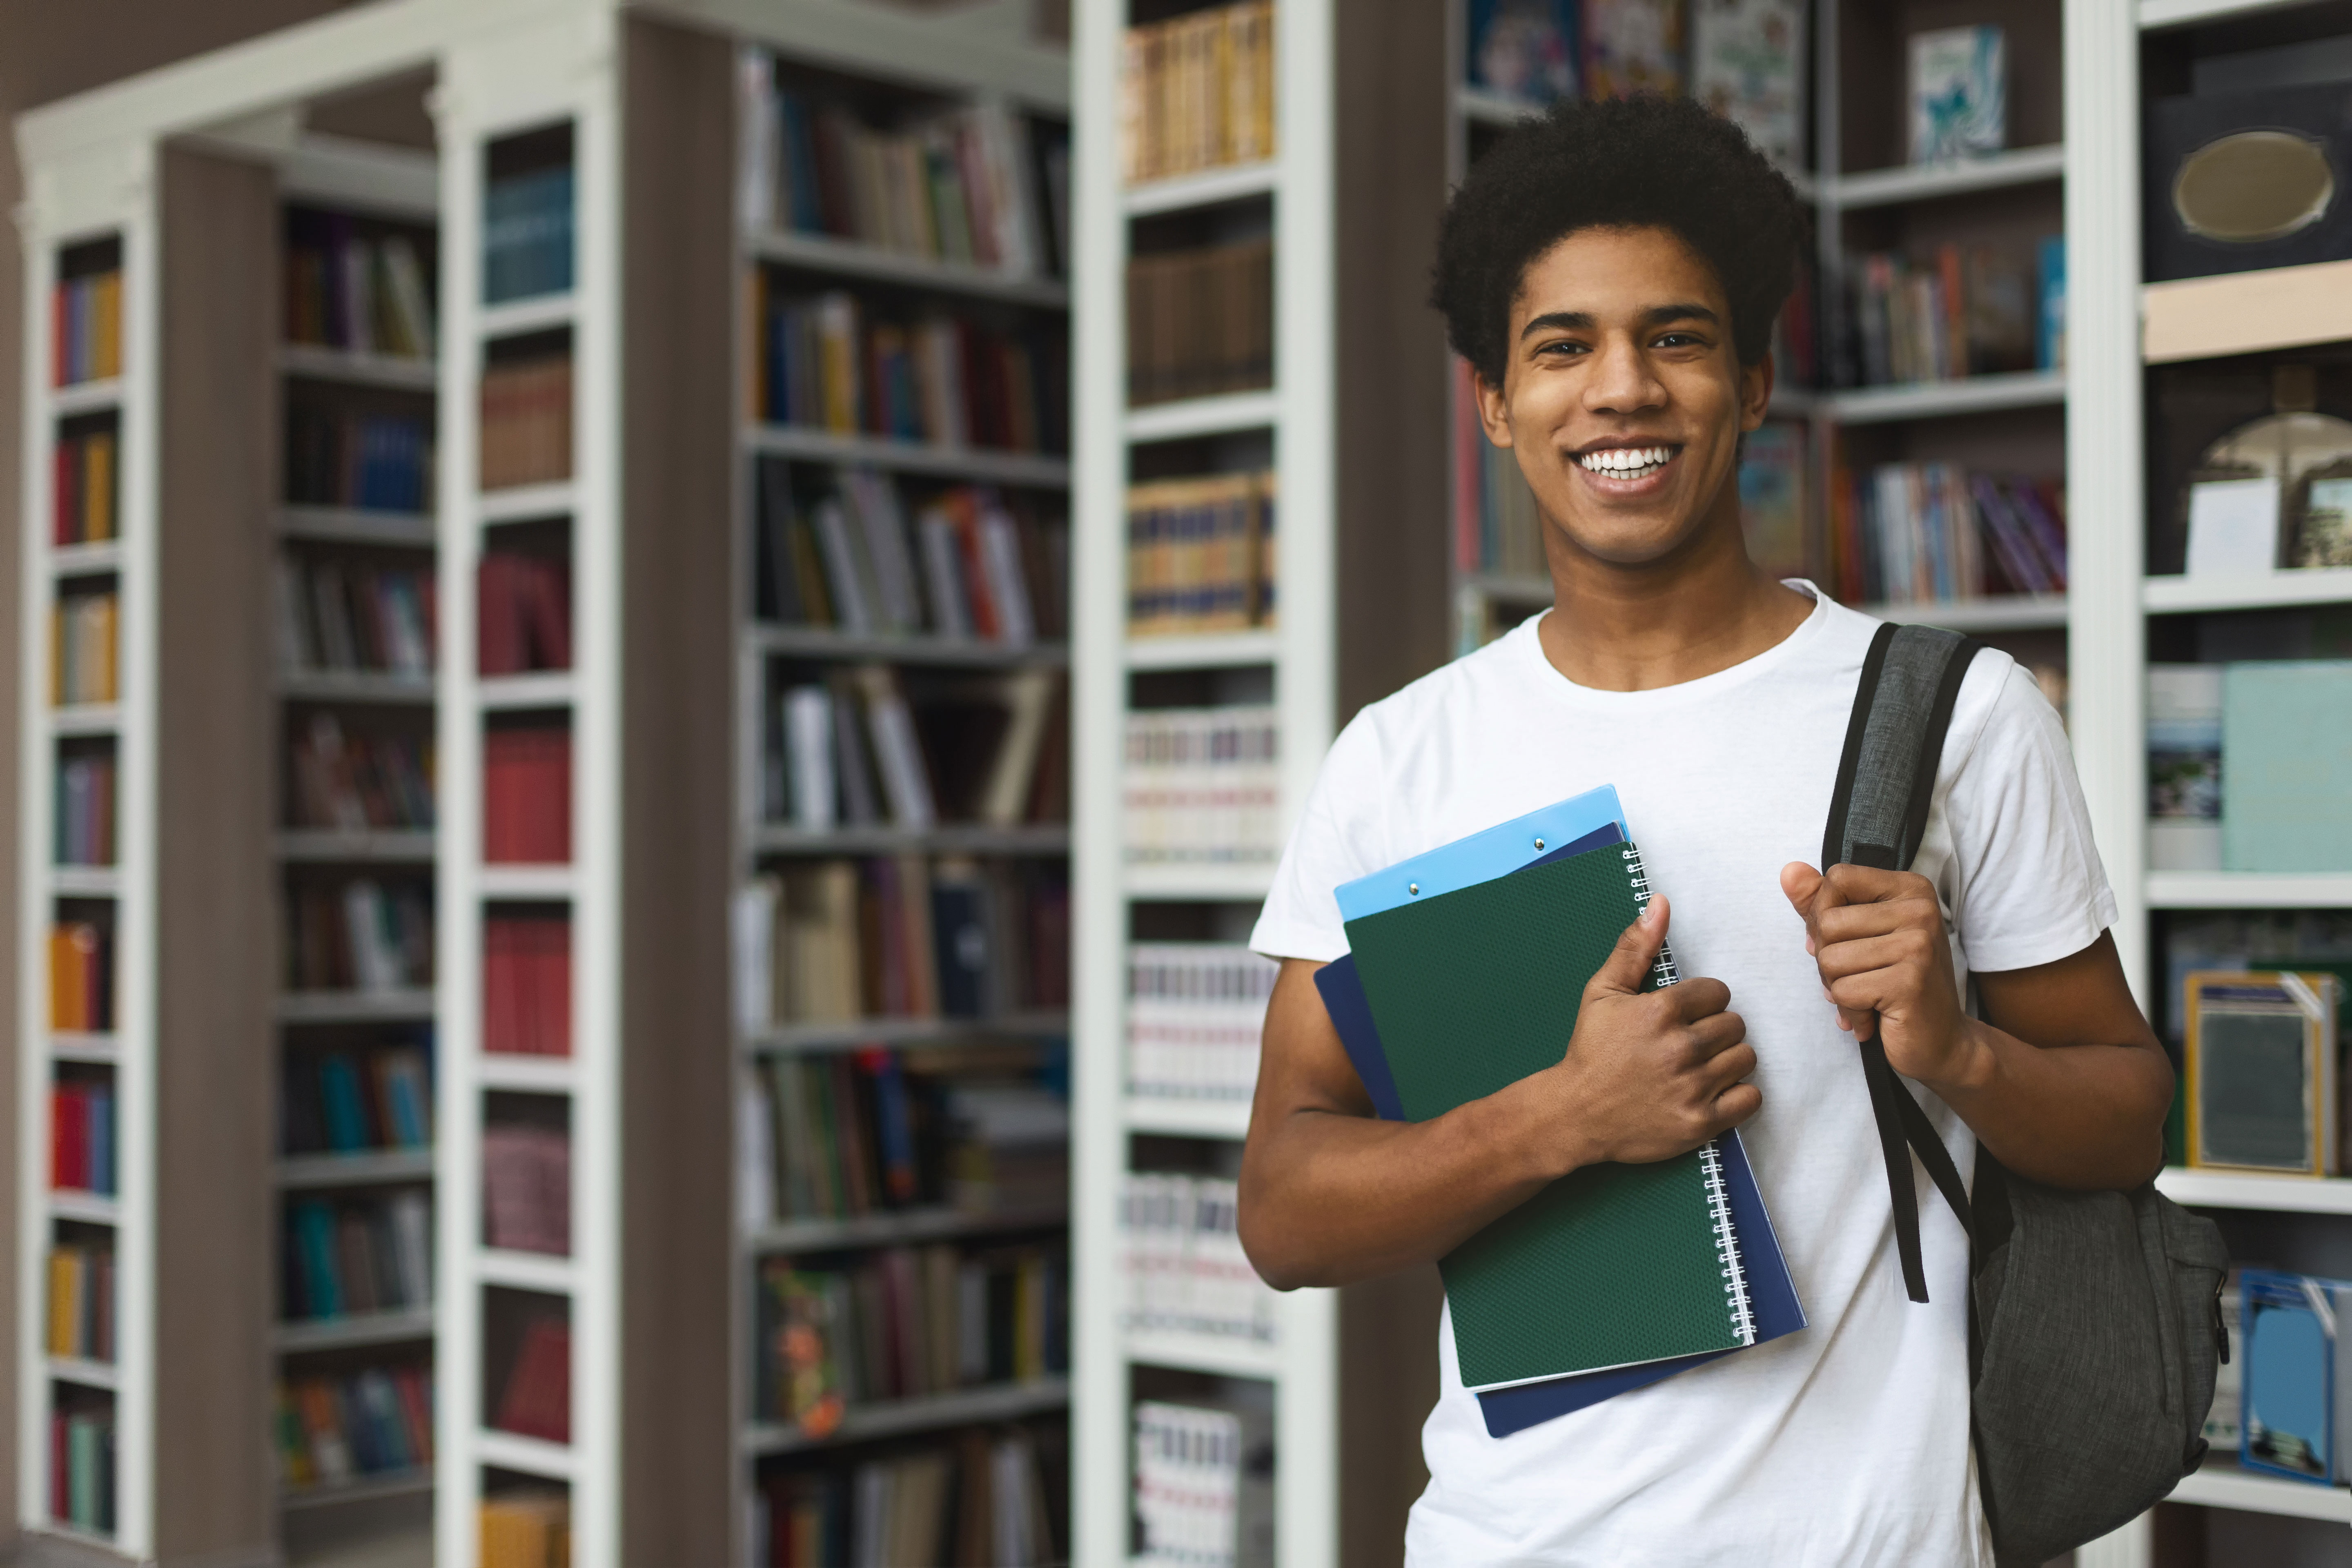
(2155, 14)
(1240, 882)
(543, 688)
(77, 1048)
(813, 642)
(88, 1207)
(85, 397)
(978, 465)
(2246, 1190)
(357, 369)
(358, 1489)
(1223, 1119)
(2249, 890)
(307, 1171)
(527, 1270)
(2223, 1483)
(1886, 187)
(84, 1373)
(86, 719)
(1483, 106)
(355, 525)
(384, 844)
(531, 1456)
(1204, 1353)
(355, 1330)
(800, 1037)
(1194, 417)
(2246, 313)
(896, 1417)
(1947, 399)
(517, 317)
(848, 258)
(87, 882)
(1038, 838)
(1208, 650)
(2254, 591)
(527, 504)
(540, 882)
(353, 1007)
(2022, 612)
(1233, 183)
(80, 560)
(890, 1229)
(353, 686)
(533, 1075)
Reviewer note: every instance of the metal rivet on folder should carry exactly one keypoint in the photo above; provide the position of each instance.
(1414, 887)
(1539, 843)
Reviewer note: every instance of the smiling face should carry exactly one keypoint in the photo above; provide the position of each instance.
(1623, 398)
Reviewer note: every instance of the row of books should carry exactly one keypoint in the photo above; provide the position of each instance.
(1196, 91)
(987, 1500)
(857, 749)
(1181, 1253)
(348, 289)
(359, 935)
(354, 783)
(84, 489)
(86, 329)
(341, 456)
(82, 977)
(1204, 1481)
(84, 645)
(526, 422)
(357, 1101)
(527, 795)
(840, 1135)
(82, 1146)
(971, 563)
(81, 1468)
(346, 615)
(82, 813)
(1200, 555)
(535, 1400)
(527, 230)
(344, 1256)
(522, 613)
(81, 1301)
(526, 1529)
(1934, 532)
(1966, 311)
(1199, 323)
(837, 363)
(526, 984)
(959, 186)
(377, 1421)
(527, 1188)
(903, 1323)
(1194, 1010)
(2246, 770)
(2240, 941)
(1202, 785)
(831, 941)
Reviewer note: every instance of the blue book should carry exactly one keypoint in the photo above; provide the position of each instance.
(2289, 1330)
(347, 1119)
(1541, 838)
(101, 1141)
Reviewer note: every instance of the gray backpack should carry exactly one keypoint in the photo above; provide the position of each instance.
(2094, 1322)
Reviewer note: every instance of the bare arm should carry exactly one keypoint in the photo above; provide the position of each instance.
(2063, 1081)
(1330, 1195)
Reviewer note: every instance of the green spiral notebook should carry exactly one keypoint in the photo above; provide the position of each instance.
(1613, 1265)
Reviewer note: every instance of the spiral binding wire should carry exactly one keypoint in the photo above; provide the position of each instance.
(1663, 971)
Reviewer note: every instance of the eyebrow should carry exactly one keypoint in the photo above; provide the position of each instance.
(1656, 316)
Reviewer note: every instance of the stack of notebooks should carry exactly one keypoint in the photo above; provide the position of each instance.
(1616, 1275)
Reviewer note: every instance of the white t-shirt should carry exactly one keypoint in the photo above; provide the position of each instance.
(1846, 1443)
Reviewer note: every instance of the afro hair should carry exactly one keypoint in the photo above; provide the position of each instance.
(1632, 162)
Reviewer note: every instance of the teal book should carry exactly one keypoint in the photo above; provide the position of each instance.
(2286, 766)
(1478, 987)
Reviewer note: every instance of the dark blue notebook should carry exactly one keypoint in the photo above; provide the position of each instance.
(1772, 1295)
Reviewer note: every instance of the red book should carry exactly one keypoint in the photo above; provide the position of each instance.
(547, 606)
(69, 1138)
(555, 987)
(537, 1402)
(416, 1412)
(498, 630)
(501, 1029)
(60, 1470)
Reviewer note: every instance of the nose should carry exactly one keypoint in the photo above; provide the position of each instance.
(1620, 380)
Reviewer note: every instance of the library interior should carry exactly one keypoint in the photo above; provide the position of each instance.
(663, 649)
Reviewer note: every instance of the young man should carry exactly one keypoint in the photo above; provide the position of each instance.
(1611, 273)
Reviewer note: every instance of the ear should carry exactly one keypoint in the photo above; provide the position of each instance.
(1494, 409)
(1755, 392)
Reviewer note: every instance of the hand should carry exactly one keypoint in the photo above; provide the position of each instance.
(1878, 937)
(1650, 1076)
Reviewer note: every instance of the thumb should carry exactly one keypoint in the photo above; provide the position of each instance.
(1627, 968)
(1800, 882)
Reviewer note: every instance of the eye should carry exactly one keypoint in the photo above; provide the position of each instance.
(1678, 341)
(1562, 346)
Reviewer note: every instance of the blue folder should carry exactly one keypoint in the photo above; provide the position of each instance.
(1771, 1294)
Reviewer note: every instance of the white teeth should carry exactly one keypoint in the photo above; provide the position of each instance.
(1626, 462)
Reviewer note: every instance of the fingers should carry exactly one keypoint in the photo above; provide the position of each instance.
(1849, 922)
(1839, 960)
(1713, 1036)
(1728, 1068)
(1735, 1105)
(1627, 967)
(1696, 998)
(1852, 884)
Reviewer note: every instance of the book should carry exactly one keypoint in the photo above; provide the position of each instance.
(525, 421)
(535, 1400)
(1196, 91)
(376, 1098)
(84, 486)
(2286, 756)
(1197, 554)
(527, 234)
(343, 1257)
(336, 1427)
(1200, 322)
(1181, 1255)
(357, 781)
(358, 934)
(526, 984)
(980, 1496)
(338, 615)
(1747, 66)
(359, 285)
(1195, 1013)
(522, 612)
(2262, 1057)
(82, 977)
(527, 1188)
(1522, 50)
(1632, 45)
(2184, 767)
(81, 1302)
(526, 794)
(1772, 498)
(84, 642)
(86, 327)
(340, 454)
(1958, 101)
(526, 1529)
(1204, 1480)
(1200, 785)
(2288, 1426)
(82, 812)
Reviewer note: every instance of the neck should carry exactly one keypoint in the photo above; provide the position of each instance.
(1702, 608)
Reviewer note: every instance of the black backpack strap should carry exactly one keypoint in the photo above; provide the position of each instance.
(1878, 815)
